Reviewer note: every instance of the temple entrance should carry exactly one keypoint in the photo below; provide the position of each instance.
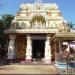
(38, 49)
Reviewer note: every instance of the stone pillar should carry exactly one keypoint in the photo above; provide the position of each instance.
(47, 50)
(29, 49)
(11, 47)
(59, 53)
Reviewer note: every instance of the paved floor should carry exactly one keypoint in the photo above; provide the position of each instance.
(28, 69)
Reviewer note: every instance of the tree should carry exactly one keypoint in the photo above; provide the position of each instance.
(1, 26)
(6, 20)
(70, 24)
(5, 23)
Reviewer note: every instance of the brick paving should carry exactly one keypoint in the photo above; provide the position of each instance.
(28, 69)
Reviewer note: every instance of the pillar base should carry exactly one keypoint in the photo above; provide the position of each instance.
(47, 61)
(10, 57)
(28, 59)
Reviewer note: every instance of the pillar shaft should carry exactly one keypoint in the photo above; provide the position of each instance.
(11, 47)
(47, 50)
(28, 49)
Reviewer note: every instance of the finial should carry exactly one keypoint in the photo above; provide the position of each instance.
(38, 1)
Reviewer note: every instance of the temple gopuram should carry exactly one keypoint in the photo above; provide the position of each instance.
(39, 32)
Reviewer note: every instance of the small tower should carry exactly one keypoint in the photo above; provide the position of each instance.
(38, 4)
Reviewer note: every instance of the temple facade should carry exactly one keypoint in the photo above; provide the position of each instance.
(38, 32)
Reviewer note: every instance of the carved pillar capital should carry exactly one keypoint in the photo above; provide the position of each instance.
(12, 37)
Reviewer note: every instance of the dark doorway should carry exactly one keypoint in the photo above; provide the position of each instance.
(38, 48)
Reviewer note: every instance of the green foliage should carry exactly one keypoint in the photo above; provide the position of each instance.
(1, 26)
(6, 19)
(5, 22)
(70, 24)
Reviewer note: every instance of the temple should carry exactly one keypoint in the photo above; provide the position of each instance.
(39, 32)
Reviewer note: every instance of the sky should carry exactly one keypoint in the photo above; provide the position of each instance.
(67, 7)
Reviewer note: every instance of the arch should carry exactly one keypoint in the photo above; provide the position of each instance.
(38, 18)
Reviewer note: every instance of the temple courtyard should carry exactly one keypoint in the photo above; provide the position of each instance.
(33, 69)
(28, 69)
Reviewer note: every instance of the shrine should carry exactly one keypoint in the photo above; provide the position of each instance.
(38, 32)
